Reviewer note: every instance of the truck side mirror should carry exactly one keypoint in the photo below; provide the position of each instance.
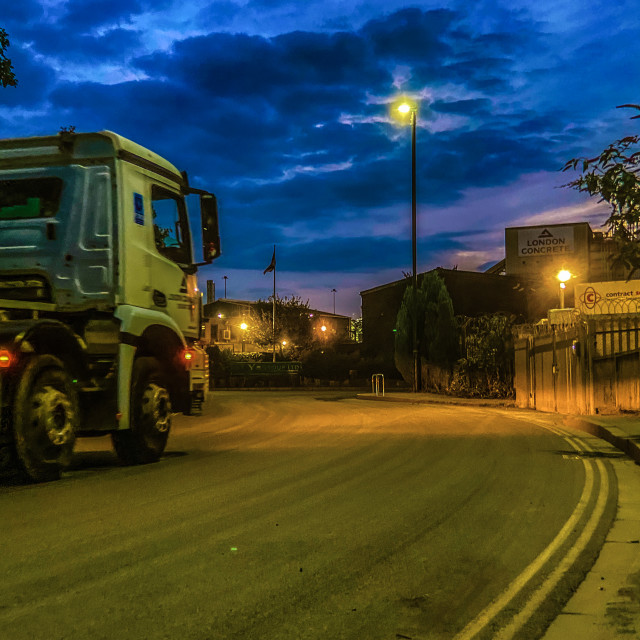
(210, 231)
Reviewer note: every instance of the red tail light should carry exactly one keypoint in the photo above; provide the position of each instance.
(6, 358)
(187, 357)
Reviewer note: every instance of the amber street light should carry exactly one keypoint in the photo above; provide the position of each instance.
(244, 326)
(400, 109)
(563, 276)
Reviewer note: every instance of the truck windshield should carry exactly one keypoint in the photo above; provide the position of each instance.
(30, 198)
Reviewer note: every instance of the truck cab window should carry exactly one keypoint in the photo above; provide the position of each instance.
(170, 227)
(30, 198)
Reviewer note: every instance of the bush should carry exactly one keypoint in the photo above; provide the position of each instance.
(486, 368)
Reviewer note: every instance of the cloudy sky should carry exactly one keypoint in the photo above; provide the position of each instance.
(282, 109)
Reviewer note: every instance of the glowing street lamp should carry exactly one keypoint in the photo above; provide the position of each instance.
(244, 326)
(563, 276)
(400, 109)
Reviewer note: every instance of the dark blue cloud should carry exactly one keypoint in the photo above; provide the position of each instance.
(16, 13)
(81, 47)
(35, 79)
(82, 15)
(411, 35)
(239, 65)
(469, 107)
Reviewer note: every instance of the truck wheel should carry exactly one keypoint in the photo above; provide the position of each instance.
(150, 412)
(45, 419)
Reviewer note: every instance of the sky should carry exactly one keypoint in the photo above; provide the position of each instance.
(282, 109)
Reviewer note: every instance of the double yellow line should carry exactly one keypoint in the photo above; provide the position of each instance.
(520, 619)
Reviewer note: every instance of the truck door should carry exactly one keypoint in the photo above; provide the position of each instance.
(169, 277)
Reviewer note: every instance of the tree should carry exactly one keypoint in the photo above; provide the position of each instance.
(614, 176)
(7, 77)
(437, 329)
(293, 324)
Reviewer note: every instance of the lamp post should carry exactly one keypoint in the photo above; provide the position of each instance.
(334, 301)
(405, 108)
(225, 286)
(563, 276)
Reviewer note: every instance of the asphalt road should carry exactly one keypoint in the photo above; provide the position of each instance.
(299, 515)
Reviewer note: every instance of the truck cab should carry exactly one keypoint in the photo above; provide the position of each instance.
(99, 303)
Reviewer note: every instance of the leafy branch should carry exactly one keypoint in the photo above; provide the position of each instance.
(614, 175)
(7, 77)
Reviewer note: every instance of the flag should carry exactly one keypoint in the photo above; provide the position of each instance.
(272, 265)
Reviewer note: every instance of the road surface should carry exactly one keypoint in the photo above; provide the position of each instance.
(305, 515)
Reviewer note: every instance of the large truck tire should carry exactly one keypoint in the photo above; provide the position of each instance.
(150, 412)
(45, 419)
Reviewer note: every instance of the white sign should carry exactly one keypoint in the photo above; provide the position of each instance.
(544, 241)
(617, 296)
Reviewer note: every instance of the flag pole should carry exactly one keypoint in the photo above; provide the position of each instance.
(274, 305)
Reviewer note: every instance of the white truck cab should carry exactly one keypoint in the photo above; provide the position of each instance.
(99, 304)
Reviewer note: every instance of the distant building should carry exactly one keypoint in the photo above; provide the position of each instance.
(540, 252)
(472, 293)
(224, 318)
(524, 284)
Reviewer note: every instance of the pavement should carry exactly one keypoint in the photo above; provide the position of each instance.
(606, 605)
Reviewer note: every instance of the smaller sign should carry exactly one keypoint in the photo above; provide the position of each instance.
(617, 296)
(138, 208)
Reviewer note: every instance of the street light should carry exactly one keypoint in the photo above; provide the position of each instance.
(244, 326)
(225, 286)
(400, 110)
(563, 276)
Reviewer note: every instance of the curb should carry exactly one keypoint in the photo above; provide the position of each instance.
(612, 435)
(463, 402)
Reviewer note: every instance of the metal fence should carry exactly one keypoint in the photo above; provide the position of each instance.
(589, 365)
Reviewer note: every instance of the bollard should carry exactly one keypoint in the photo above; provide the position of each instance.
(376, 378)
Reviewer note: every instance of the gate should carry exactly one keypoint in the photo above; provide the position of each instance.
(587, 364)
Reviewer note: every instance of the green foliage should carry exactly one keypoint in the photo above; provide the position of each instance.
(486, 368)
(614, 176)
(7, 77)
(356, 330)
(432, 307)
(292, 324)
